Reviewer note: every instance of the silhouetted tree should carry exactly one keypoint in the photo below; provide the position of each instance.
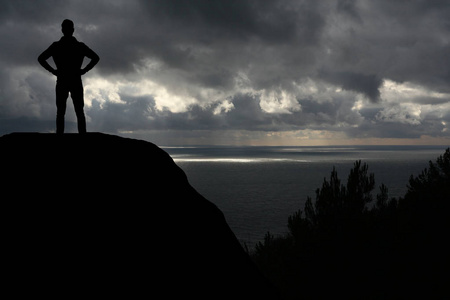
(383, 197)
(340, 246)
(325, 235)
(337, 206)
(426, 202)
(433, 184)
(359, 187)
(424, 228)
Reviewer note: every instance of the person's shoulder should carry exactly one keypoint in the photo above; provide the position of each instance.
(78, 44)
(58, 42)
(75, 40)
(85, 48)
(81, 43)
(53, 45)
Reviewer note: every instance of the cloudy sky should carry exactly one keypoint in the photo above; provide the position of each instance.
(276, 72)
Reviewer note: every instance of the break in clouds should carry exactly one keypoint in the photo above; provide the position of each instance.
(236, 71)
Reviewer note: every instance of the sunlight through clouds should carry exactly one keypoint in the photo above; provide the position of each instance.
(101, 90)
(392, 91)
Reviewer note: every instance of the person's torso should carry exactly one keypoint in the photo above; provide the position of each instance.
(68, 55)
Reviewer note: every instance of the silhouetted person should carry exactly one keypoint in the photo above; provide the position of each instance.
(68, 55)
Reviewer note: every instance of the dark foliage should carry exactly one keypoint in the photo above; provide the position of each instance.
(343, 245)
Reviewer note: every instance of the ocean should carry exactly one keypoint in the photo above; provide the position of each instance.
(258, 188)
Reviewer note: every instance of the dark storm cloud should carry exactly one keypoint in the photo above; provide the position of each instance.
(366, 84)
(274, 32)
(240, 51)
(234, 19)
(399, 40)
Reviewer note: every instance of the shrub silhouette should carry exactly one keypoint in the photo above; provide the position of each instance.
(338, 206)
(343, 245)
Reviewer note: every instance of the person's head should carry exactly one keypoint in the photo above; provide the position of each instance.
(67, 27)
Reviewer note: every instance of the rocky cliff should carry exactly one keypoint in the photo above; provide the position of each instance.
(101, 215)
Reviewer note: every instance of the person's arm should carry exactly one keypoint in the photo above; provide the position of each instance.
(42, 59)
(93, 57)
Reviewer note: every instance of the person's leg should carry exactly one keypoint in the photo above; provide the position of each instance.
(77, 94)
(62, 93)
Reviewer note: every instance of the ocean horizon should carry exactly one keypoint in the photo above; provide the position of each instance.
(259, 187)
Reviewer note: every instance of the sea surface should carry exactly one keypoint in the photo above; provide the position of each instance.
(258, 188)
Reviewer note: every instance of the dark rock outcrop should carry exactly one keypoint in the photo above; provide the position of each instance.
(100, 215)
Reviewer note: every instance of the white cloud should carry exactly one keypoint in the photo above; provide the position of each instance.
(101, 90)
(278, 102)
(392, 91)
(359, 104)
(223, 107)
(412, 104)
